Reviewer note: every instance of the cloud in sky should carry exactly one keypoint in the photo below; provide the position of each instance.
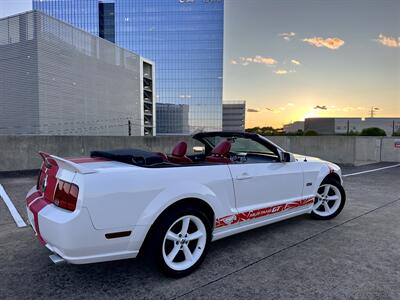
(268, 61)
(258, 59)
(287, 36)
(279, 110)
(351, 108)
(334, 108)
(264, 60)
(256, 110)
(281, 72)
(331, 43)
(389, 41)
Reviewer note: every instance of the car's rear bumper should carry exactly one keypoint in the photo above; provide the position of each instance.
(72, 236)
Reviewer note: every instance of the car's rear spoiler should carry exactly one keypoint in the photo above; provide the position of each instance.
(65, 164)
(71, 166)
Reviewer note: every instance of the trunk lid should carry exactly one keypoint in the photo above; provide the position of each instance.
(66, 168)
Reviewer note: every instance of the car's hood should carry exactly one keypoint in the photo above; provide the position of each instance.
(301, 157)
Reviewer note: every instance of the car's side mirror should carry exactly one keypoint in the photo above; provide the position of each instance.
(198, 149)
(284, 156)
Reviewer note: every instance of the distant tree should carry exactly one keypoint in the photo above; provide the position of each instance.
(396, 133)
(297, 133)
(253, 130)
(373, 131)
(310, 133)
(351, 132)
(267, 130)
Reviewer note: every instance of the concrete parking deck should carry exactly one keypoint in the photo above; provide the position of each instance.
(355, 255)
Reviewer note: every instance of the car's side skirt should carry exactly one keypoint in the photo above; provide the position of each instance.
(262, 212)
(221, 233)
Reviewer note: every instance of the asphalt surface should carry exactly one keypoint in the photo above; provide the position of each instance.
(354, 256)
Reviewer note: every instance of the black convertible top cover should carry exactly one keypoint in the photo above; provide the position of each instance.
(130, 156)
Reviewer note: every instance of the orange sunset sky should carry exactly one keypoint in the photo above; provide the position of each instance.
(286, 57)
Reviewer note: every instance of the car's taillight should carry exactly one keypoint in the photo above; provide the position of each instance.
(66, 195)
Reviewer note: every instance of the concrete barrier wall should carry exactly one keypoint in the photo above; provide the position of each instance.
(351, 150)
(368, 150)
(340, 149)
(20, 152)
(390, 149)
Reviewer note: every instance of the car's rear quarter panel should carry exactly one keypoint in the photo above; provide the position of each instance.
(118, 198)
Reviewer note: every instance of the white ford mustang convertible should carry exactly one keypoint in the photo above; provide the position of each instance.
(118, 203)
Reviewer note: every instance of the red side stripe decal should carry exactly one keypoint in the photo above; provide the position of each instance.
(262, 212)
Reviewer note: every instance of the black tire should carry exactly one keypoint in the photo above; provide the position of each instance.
(337, 184)
(155, 240)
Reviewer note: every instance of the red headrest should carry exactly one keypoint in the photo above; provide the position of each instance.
(179, 149)
(222, 149)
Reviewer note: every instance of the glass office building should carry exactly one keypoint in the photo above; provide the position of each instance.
(183, 37)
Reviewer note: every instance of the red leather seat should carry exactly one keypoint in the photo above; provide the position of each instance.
(178, 155)
(220, 153)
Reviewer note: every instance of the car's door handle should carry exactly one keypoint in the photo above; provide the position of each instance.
(243, 176)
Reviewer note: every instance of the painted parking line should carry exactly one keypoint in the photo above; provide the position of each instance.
(14, 212)
(370, 171)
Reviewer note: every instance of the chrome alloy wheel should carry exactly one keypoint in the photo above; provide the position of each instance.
(184, 243)
(327, 200)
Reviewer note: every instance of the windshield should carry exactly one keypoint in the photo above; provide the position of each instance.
(241, 145)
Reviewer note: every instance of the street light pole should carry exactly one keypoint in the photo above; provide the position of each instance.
(373, 110)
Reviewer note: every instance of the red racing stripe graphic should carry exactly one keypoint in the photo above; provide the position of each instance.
(44, 196)
(35, 208)
(32, 197)
(262, 212)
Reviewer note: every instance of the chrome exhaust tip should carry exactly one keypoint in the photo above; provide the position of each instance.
(56, 259)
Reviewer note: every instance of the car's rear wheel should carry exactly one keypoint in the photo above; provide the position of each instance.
(329, 201)
(180, 241)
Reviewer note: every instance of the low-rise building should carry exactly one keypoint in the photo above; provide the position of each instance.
(56, 79)
(234, 116)
(350, 125)
(294, 127)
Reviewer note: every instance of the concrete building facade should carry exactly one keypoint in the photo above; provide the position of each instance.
(56, 79)
(348, 125)
(234, 115)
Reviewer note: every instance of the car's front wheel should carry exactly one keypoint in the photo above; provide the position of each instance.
(181, 241)
(329, 201)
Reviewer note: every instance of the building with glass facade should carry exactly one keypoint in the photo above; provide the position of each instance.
(183, 37)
